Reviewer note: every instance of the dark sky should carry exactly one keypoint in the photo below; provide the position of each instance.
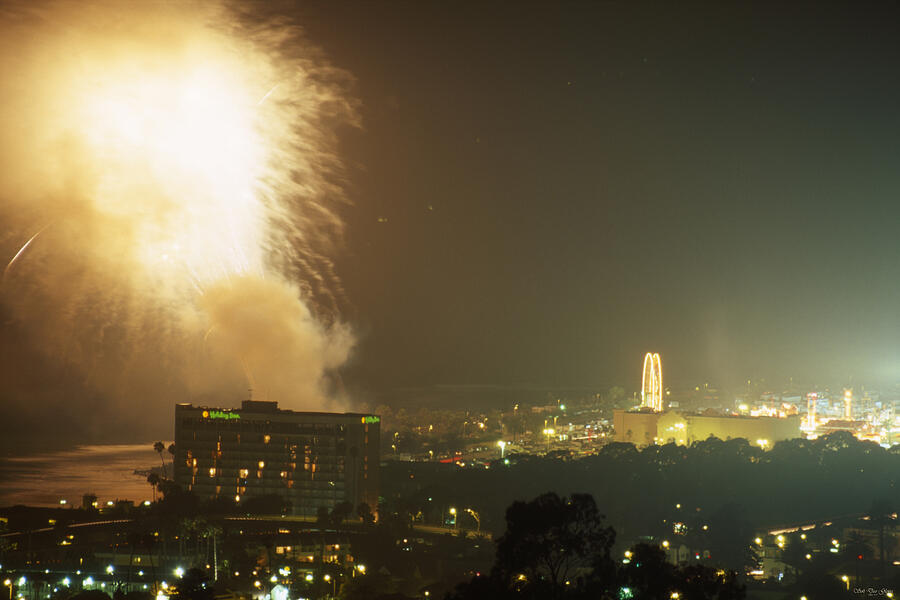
(569, 185)
(543, 192)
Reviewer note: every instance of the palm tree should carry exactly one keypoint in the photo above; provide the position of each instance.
(159, 447)
(212, 531)
(153, 480)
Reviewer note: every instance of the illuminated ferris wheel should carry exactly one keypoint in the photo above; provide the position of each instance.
(651, 383)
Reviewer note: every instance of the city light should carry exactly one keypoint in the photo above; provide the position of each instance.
(191, 168)
(652, 383)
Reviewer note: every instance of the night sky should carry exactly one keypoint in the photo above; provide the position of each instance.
(569, 185)
(540, 193)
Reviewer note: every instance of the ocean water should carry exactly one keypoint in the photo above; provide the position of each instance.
(108, 471)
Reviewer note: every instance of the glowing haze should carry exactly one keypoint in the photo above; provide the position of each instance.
(168, 199)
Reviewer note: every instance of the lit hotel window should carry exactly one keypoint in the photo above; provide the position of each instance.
(245, 473)
(212, 472)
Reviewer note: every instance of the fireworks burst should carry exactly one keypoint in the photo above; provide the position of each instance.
(186, 157)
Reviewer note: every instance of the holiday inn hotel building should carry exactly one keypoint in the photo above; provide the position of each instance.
(309, 459)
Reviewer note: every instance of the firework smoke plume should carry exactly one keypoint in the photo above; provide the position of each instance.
(169, 189)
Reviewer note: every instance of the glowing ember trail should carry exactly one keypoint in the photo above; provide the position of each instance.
(22, 250)
(186, 158)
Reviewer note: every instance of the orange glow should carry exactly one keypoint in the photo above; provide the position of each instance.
(182, 161)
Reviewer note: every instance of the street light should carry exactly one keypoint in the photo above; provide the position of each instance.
(548, 432)
(333, 581)
(502, 444)
(453, 514)
(476, 517)
(8, 583)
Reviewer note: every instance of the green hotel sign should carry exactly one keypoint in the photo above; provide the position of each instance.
(371, 419)
(220, 414)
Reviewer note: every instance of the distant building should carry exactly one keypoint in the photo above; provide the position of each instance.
(644, 428)
(308, 459)
(637, 427)
(683, 428)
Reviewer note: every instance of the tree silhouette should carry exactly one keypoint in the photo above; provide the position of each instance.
(153, 480)
(648, 574)
(194, 585)
(160, 447)
(560, 548)
(552, 539)
(340, 512)
(364, 512)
